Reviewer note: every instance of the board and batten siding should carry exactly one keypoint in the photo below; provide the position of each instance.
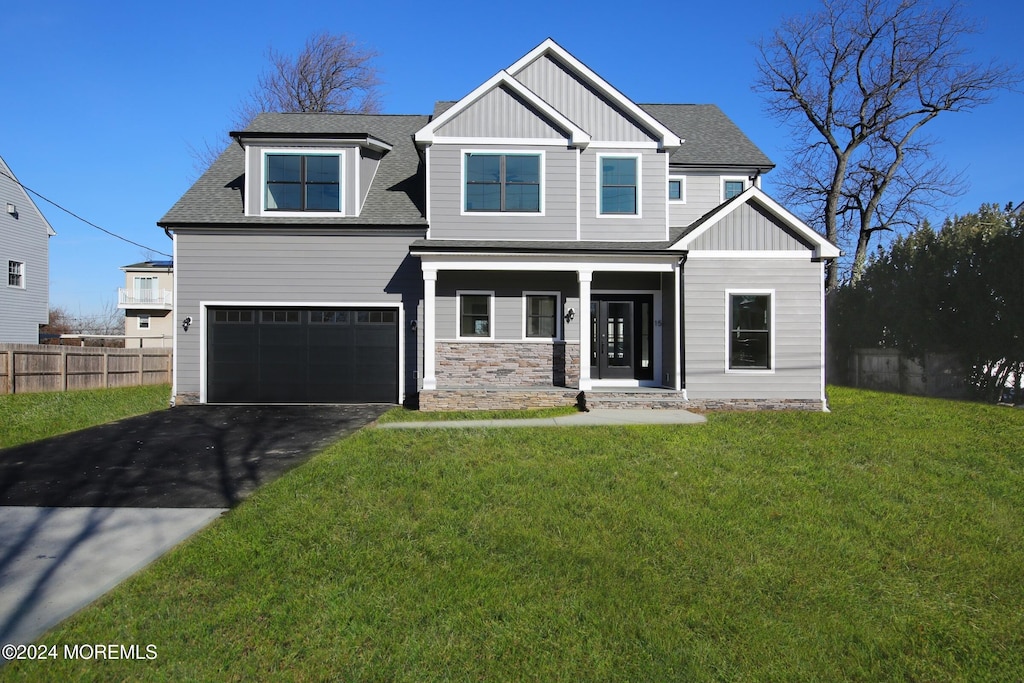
(797, 285)
(285, 269)
(649, 225)
(579, 102)
(749, 228)
(500, 114)
(23, 238)
(508, 291)
(558, 194)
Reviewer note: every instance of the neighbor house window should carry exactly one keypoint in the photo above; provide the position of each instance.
(749, 331)
(619, 185)
(303, 182)
(16, 274)
(731, 188)
(475, 314)
(503, 182)
(542, 316)
(143, 321)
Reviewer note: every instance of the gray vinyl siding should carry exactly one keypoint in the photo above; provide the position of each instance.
(749, 228)
(650, 225)
(351, 157)
(23, 239)
(558, 221)
(797, 285)
(703, 193)
(286, 269)
(579, 102)
(500, 114)
(508, 291)
(368, 162)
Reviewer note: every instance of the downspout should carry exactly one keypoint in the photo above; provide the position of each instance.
(682, 320)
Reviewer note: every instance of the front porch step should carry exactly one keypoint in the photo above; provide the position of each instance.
(633, 399)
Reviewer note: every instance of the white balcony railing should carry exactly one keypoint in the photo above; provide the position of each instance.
(161, 299)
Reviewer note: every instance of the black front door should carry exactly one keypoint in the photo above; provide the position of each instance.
(621, 337)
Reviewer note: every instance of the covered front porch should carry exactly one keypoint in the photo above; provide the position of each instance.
(521, 329)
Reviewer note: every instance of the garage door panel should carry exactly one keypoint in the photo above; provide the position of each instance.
(283, 355)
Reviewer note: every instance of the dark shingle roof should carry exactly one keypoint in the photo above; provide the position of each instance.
(395, 197)
(712, 139)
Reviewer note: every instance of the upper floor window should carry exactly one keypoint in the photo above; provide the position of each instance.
(16, 274)
(303, 182)
(619, 184)
(503, 182)
(677, 189)
(731, 188)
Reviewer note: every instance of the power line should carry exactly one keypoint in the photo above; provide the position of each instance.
(87, 222)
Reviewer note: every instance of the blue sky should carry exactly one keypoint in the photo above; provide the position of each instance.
(101, 100)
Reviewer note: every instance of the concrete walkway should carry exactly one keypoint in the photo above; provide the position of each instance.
(590, 419)
(55, 561)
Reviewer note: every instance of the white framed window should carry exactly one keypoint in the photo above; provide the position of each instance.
(750, 338)
(299, 182)
(677, 189)
(618, 185)
(541, 315)
(732, 186)
(503, 182)
(143, 321)
(475, 311)
(16, 274)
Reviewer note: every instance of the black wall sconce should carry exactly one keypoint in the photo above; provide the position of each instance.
(186, 322)
(569, 315)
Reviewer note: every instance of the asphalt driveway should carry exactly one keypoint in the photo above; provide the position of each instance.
(184, 457)
(80, 513)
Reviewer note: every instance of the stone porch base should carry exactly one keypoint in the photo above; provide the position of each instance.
(522, 398)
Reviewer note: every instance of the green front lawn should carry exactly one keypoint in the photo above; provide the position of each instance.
(31, 417)
(882, 541)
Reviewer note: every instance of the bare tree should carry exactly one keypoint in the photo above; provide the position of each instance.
(856, 82)
(332, 73)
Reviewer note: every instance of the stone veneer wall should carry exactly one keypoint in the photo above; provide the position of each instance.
(496, 399)
(503, 365)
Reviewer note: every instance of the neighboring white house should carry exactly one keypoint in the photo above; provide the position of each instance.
(147, 300)
(25, 255)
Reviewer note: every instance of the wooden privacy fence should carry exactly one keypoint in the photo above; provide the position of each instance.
(27, 368)
(937, 374)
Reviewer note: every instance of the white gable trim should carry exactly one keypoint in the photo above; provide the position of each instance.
(667, 139)
(577, 136)
(822, 247)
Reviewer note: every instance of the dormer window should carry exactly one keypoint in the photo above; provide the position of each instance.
(303, 182)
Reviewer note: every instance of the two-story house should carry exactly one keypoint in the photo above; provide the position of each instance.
(25, 254)
(147, 300)
(541, 238)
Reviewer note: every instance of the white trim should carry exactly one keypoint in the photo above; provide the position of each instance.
(341, 153)
(559, 331)
(459, 293)
(722, 180)
(464, 140)
(824, 328)
(204, 307)
(426, 164)
(638, 158)
(679, 310)
(669, 140)
(657, 263)
(176, 355)
(802, 255)
(584, 277)
(577, 136)
(429, 327)
(463, 153)
(822, 247)
(613, 146)
(741, 291)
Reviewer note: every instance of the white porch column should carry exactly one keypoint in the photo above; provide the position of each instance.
(677, 271)
(585, 277)
(429, 321)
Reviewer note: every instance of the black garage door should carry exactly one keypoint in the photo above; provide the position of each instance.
(291, 355)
